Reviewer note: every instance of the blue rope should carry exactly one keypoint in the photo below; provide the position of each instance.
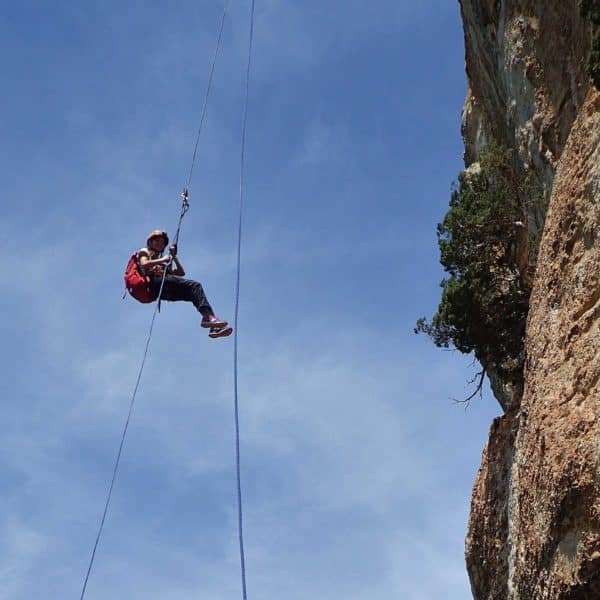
(209, 86)
(116, 466)
(237, 306)
(131, 403)
(184, 209)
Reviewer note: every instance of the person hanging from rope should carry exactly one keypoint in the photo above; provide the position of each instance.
(152, 264)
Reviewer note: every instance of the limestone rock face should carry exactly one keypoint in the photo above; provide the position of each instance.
(554, 505)
(534, 528)
(526, 73)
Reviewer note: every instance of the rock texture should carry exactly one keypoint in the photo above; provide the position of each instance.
(526, 72)
(554, 508)
(534, 529)
(527, 81)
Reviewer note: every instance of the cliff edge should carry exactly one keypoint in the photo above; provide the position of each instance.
(534, 528)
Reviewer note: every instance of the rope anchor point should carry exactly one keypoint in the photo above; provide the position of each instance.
(185, 198)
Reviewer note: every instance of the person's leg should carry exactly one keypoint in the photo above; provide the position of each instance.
(178, 289)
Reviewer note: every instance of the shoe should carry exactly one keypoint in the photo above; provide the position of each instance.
(213, 322)
(220, 332)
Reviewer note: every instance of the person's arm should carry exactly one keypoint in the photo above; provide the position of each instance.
(148, 265)
(178, 270)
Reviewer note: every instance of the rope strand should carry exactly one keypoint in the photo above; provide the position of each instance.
(116, 466)
(237, 305)
(184, 209)
(124, 434)
(208, 88)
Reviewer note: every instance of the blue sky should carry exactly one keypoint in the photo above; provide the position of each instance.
(357, 468)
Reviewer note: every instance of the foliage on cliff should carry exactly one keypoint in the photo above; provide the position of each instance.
(484, 299)
(590, 10)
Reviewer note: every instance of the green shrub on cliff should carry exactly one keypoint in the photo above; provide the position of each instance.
(484, 301)
(590, 10)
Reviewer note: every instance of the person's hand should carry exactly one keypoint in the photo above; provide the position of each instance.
(173, 250)
(167, 260)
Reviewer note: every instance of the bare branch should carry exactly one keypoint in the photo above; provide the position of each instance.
(480, 378)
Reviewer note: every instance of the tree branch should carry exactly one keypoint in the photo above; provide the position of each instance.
(480, 378)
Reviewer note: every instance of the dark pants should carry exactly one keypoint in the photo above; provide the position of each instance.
(176, 289)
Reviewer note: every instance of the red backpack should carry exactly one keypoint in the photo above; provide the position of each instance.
(138, 285)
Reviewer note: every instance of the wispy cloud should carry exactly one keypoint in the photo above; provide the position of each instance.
(347, 445)
(21, 545)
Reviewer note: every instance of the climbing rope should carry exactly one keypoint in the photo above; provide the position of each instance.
(237, 306)
(184, 209)
(208, 88)
(185, 206)
(124, 434)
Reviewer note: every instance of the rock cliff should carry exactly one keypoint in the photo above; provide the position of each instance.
(534, 529)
